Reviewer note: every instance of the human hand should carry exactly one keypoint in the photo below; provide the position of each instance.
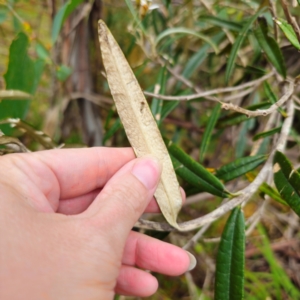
(65, 226)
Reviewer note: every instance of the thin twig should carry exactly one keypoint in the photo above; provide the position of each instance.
(264, 112)
(84, 12)
(211, 92)
(274, 15)
(238, 95)
(196, 237)
(244, 195)
(269, 125)
(257, 218)
(188, 83)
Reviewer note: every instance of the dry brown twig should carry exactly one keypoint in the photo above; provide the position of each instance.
(211, 92)
(264, 112)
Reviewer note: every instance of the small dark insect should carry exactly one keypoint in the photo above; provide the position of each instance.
(142, 106)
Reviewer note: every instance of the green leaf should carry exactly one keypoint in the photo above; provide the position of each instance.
(222, 23)
(229, 283)
(20, 75)
(157, 104)
(61, 16)
(168, 107)
(237, 45)
(277, 271)
(186, 31)
(268, 190)
(135, 15)
(194, 180)
(3, 15)
(288, 32)
(63, 72)
(273, 99)
(287, 181)
(265, 134)
(209, 130)
(240, 167)
(252, 70)
(270, 46)
(198, 58)
(43, 53)
(112, 130)
(194, 173)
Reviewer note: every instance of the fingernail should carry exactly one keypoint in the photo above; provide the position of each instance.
(147, 171)
(193, 261)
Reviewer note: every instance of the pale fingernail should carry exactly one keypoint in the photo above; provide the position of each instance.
(193, 261)
(146, 171)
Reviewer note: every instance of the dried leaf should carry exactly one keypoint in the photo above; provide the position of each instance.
(139, 124)
(14, 95)
(12, 142)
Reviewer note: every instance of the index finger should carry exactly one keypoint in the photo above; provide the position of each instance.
(79, 171)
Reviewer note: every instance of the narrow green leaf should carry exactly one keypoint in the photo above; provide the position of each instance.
(240, 167)
(241, 142)
(194, 173)
(39, 66)
(252, 69)
(288, 32)
(168, 107)
(110, 114)
(280, 277)
(3, 15)
(268, 190)
(135, 16)
(270, 46)
(197, 182)
(197, 59)
(112, 130)
(237, 45)
(209, 130)
(287, 181)
(63, 72)
(229, 283)
(186, 31)
(157, 104)
(61, 16)
(222, 23)
(20, 75)
(43, 53)
(273, 99)
(265, 134)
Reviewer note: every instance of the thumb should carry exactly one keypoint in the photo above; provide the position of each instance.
(126, 195)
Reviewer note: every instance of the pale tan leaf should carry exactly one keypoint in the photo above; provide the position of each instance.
(139, 124)
(13, 95)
